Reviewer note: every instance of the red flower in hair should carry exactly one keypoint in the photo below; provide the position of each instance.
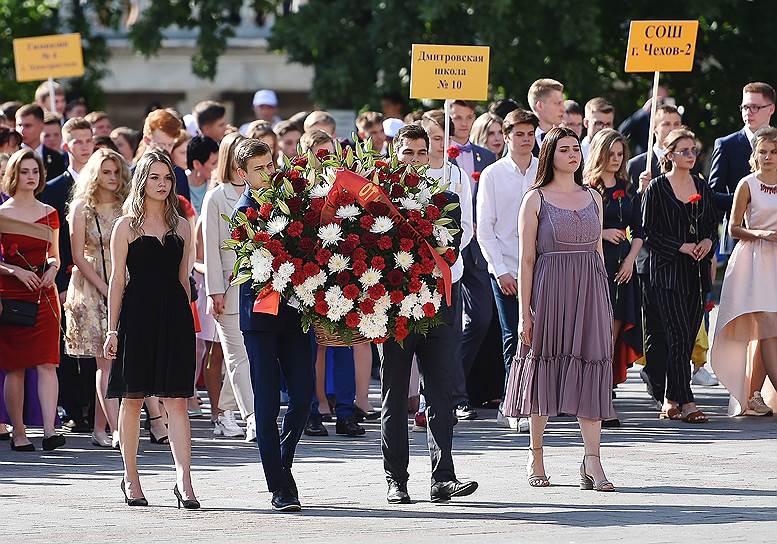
(694, 198)
(620, 194)
(453, 152)
(475, 176)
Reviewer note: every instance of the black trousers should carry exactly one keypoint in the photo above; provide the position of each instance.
(76, 384)
(681, 315)
(435, 353)
(655, 341)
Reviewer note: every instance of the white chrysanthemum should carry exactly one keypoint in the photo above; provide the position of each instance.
(404, 260)
(261, 265)
(338, 304)
(351, 211)
(381, 225)
(424, 295)
(442, 235)
(277, 224)
(424, 196)
(338, 263)
(370, 277)
(330, 234)
(286, 270)
(279, 282)
(373, 325)
(418, 312)
(436, 272)
(407, 305)
(437, 299)
(383, 304)
(320, 190)
(409, 203)
(305, 295)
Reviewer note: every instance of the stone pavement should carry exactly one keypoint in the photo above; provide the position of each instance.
(676, 483)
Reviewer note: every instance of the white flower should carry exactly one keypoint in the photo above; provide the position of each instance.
(410, 204)
(279, 282)
(418, 312)
(373, 325)
(383, 304)
(338, 263)
(286, 270)
(338, 304)
(424, 196)
(320, 190)
(351, 211)
(442, 235)
(330, 234)
(305, 295)
(277, 224)
(404, 260)
(261, 265)
(382, 224)
(370, 277)
(407, 305)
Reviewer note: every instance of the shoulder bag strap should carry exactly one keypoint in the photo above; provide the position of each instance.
(102, 250)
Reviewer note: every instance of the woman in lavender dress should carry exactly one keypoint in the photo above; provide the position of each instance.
(564, 364)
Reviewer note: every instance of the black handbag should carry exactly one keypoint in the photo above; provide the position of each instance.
(21, 313)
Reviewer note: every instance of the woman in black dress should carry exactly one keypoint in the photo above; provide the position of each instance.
(150, 325)
(605, 171)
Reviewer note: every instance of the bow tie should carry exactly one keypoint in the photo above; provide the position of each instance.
(466, 148)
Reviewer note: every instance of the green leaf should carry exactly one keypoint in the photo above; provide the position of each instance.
(443, 221)
(450, 207)
(241, 278)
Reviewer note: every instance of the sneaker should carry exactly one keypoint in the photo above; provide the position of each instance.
(251, 429)
(522, 425)
(419, 424)
(229, 426)
(465, 412)
(757, 407)
(703, 377)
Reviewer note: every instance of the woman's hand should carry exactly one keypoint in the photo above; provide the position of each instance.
(689, 249)
(110, 346)
(614, 236)
(47, 280)
(103, 288)
(29, 279)
(216, 305)
(702, 249)
(625, 272)
(525, 329)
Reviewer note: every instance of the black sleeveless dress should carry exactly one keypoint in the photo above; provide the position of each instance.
(156, 353)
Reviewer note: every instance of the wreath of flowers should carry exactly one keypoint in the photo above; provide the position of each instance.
(354, 267)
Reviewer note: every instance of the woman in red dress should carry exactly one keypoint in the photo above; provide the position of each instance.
(29, 234)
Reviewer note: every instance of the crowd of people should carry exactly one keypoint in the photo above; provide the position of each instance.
(592, 252)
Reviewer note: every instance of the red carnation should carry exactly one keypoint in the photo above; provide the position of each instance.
(310, 270)
(323, 256)
(359, 254)
(322, 153)
(306, 245)
(425, 228)
(429, 310)
(278, 261)
(620, 194)
(367, 306)
(301, 160)
(450, 256)
(295, 204)
(378, 263)
(412, 179)
(265, 210)
(440, 285)
(369, 239)
(405, 231)
(366, 221)
(440, 200)
(414, 286)
(395, 277)
(238, 234)
(397, 191)
(406, 244)
(359, 268)
(400, 334)
(385, 243)
(381, 164)
(274, 247)
(352, 320)
(378, 341)
(252, 214)
(351, 291)
(353, 238)
(319, 295)
(401, 322)
(427, 266)
(322, 307)
(424, 251)
(453, 152)
(297, 278)
(344, 198)
(311, 217)
(414, 216)
(295, 229)
(397, 297)
(432, 212)
(261, 237)
(343, 278)
(376, 291)
(475, 176)
(694, 198)
(377, 208)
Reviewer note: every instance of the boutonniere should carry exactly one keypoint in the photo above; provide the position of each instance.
(476, 176)
(477, 157)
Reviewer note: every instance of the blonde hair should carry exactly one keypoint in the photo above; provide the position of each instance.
(226, 164)
(599, 158)
(11, 178)
(85, 189)
(135, 205)
(540, 90)
(766, 135)
(478, 135)
(309, 140)
(670, 144)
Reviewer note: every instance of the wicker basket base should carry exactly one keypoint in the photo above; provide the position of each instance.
(325, 338)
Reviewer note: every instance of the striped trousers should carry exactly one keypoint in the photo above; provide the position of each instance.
(681, 315)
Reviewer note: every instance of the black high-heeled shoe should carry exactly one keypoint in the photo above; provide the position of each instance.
(132, 502)
(154, 439)
(189, 504)
(25, 447)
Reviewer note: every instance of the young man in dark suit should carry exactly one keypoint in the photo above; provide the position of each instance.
(276, 345)
(667, 119)
(29, 123)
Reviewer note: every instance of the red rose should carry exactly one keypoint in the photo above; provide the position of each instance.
(414, 286)
(376, 291)
(300, 160)
(400, 334)
(238, 234)
(397, 297)
(406, 244)
(295, 229)
(310, 270)
(367, 306)
(265, 210)
(252, 214)
(377, 208)
(402, 322)
(429, 310)
(694, 198)
(359, 254)
(298, 185)
(322, 153)
(351, 291)
(440, 200)
(297, 278)
(352, 320)
(343, 278)
(322, 307)
(306, 245)
(295, 204)
(317, 204)
(359, 268)
(346, 247)
(475, 176)
(311, 217)
(323, 256)
(366, 221)
(397, 191)
(620, 194)
(381, 164)
(453, 152)
(395, 277)
(261, 237)
(369, 239)
(432, 212)
(395, 177)
(378, 263)
(412, 179)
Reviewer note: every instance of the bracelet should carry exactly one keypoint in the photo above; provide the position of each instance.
(112, 333)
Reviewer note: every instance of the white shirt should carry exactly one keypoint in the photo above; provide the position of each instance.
(501, 191)
(73, 173)
(459, 184)
(538, 136)
(585, 147)
(750, 135)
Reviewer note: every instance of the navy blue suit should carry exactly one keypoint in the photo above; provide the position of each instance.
(55, 163)
(275, 345)
(730, 163)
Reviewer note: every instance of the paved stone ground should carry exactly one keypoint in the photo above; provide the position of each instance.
(676, 483)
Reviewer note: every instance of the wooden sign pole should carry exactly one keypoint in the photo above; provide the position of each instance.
(651, 135)
(445, 168)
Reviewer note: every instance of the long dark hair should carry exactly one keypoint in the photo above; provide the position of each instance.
(548, 150)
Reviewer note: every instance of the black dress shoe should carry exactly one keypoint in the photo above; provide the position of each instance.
(349, 427)
(443, 491)
(611, 423)
(80, 426)
(465, 412)
(292, 483)
(369, 416)
(397, 493)
(284, 501)
(26, 447)
(314, 427)
(53, 442)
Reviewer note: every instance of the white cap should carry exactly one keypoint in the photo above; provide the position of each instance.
(265, 97)
(391, 126)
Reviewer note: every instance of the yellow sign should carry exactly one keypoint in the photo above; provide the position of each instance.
(661, 46)
(43, 57)
(449, 71)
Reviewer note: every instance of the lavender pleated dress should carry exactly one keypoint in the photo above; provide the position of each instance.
(568, 367)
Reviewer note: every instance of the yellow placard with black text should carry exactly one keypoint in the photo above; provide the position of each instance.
(661, 46)
(458, 72)
(42, 57)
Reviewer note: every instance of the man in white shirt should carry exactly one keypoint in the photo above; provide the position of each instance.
(599, 114)
(546, 100)
(502, 187)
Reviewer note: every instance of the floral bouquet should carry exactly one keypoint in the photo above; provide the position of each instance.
(362, 245)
